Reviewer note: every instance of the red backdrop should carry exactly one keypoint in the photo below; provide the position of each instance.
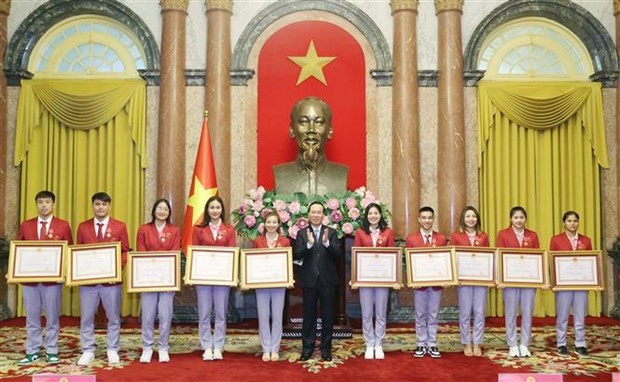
(345, 92)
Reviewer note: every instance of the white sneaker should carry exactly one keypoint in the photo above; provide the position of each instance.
(147, 353)
(524, 351)
(207, 355)
(379, 352)
(514, 352)
(217, 354)
(113, 357)
(370, 353)
(86, 358)
(164, 356)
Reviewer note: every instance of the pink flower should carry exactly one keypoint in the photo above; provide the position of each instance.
(294, 207)
(261, 191)
(249, 221)
(354, 213)
(360, 191)
(366, 201)
(279, 205)
(261, 228)
(336, 216)
(325, 220)
(350, 202)
(243, 209)
(333, 204)
(292, 232)
(284, 216)
(347, 228)
(301, 223)
(266, 211)
(253, 194)
(258, 205)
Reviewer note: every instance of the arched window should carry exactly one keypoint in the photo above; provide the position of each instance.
(534, 48)
(87, 46)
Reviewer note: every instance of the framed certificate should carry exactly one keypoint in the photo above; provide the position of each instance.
(376, 267)
(36, 261)
(430, 266)
(212, 265)
(523, 268)
(97, 263)
(576, 270)
(475, 265)
(267, 268)
(154, 271)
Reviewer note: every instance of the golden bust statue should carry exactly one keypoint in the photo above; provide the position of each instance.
(311, 173)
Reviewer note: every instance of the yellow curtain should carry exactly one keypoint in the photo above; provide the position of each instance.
(78, 137)
(541, 146)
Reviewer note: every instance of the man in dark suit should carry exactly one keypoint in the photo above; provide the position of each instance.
(319, 248)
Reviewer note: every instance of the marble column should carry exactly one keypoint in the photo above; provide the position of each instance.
(405, 119)
(217, 90)
(451, 168)
(172, 114)
(5, 7)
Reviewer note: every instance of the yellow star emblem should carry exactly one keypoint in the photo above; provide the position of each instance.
(311, 65)
(199, 198)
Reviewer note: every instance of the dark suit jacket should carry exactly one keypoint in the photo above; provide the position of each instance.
(115, 231)
(318, 261)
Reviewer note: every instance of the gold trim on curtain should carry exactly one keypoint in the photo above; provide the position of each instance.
(76, 138)
(541, 145)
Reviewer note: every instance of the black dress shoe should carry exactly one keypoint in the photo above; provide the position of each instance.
(326, 357)
(305, 356)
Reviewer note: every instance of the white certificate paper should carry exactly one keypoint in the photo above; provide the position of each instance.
(578, 270)
(268, 268)
(94, 263)
(38, 261)
(154, 271)
(212, 265)
(472, 265)
(522, 268)
(431, 267)
(376, 267)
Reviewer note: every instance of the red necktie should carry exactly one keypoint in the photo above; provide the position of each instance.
(100, 232)
(427, 240)
(43, 230)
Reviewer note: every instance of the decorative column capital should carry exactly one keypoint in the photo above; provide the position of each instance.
(616, 6)
(5, 6)
(174, 5)
(404, 5)
(224, 5)
(448, 5)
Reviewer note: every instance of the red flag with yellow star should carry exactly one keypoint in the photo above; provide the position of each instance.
(203, 185)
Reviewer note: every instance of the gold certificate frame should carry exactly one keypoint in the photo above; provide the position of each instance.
(430, 267)
(212, 265)
(576, 270)
(154, 271)
(475, 266)
(97, 263)
(37, 261)
(376, 267)
(267, 268)
(523, 268)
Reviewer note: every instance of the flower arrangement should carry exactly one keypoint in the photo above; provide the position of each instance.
(343, 212)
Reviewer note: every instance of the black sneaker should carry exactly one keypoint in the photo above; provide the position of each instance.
(419, 352)
(434, 352)
(582, 351)
(563, 351)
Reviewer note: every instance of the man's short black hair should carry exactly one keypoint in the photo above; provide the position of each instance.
(102, 196)
(45, 195)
